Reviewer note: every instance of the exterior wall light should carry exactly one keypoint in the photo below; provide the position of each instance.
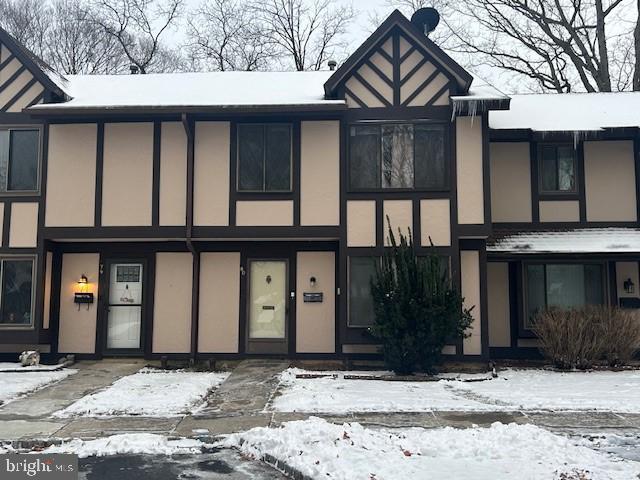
(629, 286)
(82, 296)
(313, 282)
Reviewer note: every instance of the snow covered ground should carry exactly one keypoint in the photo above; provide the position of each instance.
(323, 450)
(129, 443)
(17, 384)
(512, 390)
(149, 392)
(16, 367)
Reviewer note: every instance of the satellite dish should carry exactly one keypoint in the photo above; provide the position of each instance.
(426, 19)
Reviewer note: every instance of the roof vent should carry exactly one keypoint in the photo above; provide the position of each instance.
(426, 19)
(133, 69)
(332, 65)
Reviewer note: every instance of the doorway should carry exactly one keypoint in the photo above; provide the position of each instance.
(268, 306)
(123, 306)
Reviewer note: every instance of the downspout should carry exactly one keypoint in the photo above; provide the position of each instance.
(195, 281)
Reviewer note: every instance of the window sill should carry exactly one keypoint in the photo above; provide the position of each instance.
(13, 327)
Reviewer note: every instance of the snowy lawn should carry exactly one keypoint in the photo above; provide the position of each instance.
(577, 391)
(18, 384)
(338, 395)
(129, 443)
(512, 390)
(323, 450)
(149, 392)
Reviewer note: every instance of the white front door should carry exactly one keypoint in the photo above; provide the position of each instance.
(268, 299)
(124, 317)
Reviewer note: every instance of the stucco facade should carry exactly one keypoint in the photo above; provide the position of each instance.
(230, 230)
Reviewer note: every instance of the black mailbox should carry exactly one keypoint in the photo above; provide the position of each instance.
(82, 298)
(312, 297)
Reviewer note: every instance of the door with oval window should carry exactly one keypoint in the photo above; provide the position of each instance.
(268, 306)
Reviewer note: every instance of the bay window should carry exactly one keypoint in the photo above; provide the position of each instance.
(563, 286)
(16, 292)
(19, 152)
(398, 156)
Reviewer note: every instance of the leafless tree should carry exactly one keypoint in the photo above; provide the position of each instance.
(138, 25)
(75, 46)
(63, 35)
(559, 45)
(224, 35)
(307, 33)
(28, 21)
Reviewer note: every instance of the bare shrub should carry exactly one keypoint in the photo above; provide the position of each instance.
(580, 338)
(570, 338)
(620, 335)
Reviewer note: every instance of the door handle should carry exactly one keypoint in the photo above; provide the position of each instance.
(268, 307)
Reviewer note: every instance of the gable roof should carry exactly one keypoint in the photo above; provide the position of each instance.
(397, 19)
(212, 91)
(48, 77)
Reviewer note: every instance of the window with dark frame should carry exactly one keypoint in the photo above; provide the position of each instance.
(398, 156)
(16, 294)
(362, 270)
(570, 285)
(264, 157)
(19, 153)
(557, 168)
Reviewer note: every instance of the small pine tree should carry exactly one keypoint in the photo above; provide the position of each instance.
(416, 309)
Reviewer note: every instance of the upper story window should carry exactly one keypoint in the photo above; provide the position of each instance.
(398, 156)
(19, 151)
(264, 158)
(558, 168)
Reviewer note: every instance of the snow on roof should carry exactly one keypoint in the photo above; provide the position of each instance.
(211, 89)
(579, 240)
(569, 112)
(481, 90)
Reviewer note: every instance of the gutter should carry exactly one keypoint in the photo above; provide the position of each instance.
(195, 280)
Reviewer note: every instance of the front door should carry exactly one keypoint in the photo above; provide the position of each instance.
(267, 306)
(124, 305)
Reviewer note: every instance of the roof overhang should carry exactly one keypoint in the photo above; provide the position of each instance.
(604, 240)
(59, 109)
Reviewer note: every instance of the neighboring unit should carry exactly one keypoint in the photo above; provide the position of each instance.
(230, 214)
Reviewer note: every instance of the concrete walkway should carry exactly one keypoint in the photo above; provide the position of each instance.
(239, 404)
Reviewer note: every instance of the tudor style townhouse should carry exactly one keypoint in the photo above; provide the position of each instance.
(224, 215)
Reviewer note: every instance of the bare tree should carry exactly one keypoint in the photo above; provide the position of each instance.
(224, 35)
(560, 45)
(75, 46)
(28, 21)
(138, 25)
(307, 33)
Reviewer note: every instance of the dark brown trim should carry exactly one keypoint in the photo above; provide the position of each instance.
(61, 110)
(421, 87)
(408, 53)
(233, 171)
(379, 72)
(413, 71)
(535, 195)
(28, 61)
(396, 68)
(12, 78)
(372, 90)
(355, 98)
(188, 125)
(437, 95)
(7, 60)
(195, 303)
(20, 94)
(636, 163)
(155, 192)
(97, 221)
(6, 223)
(296, 167)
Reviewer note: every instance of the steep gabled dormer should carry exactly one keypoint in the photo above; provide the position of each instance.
(398, 66)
